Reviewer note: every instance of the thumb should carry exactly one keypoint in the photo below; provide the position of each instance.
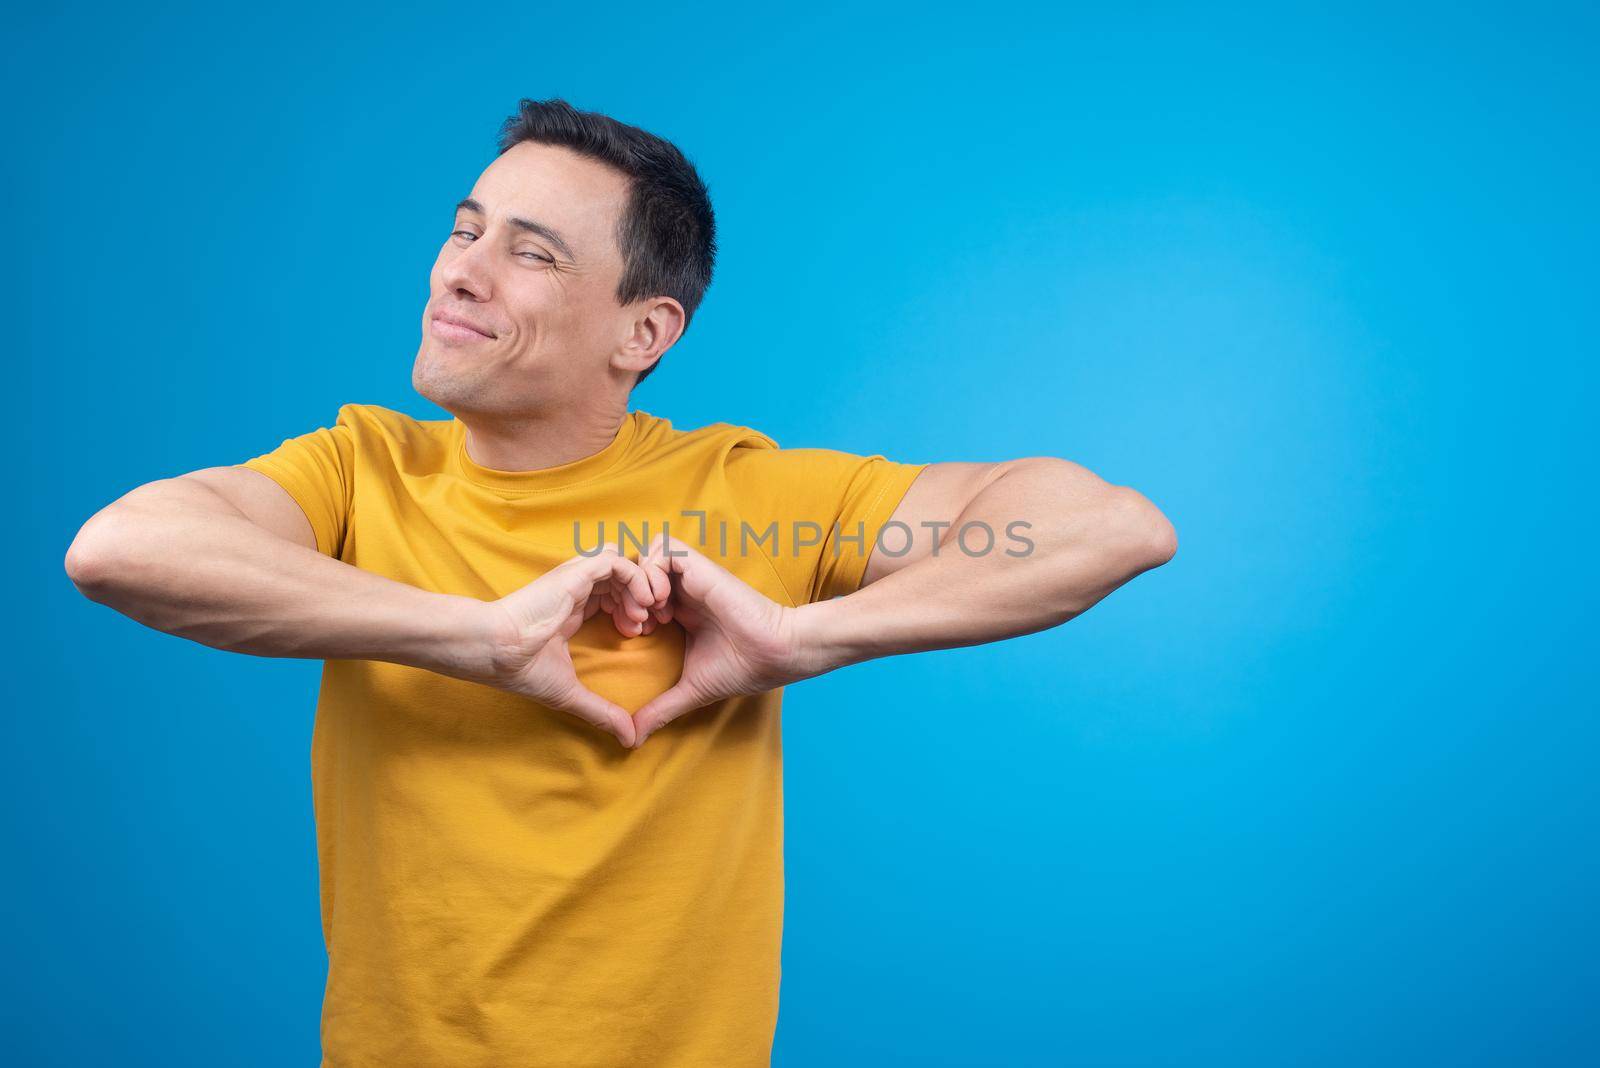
(663, 709)
(701, 580)
(608, 716)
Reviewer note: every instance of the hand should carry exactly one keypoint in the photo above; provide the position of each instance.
(738, 640)
(530, 629)
(631, 616)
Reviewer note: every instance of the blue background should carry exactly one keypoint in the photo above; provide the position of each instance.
(1319, 792)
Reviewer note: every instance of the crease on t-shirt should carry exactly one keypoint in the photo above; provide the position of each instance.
(871, 510)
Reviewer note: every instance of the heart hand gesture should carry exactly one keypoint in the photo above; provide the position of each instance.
(738, 640)
(532, 625)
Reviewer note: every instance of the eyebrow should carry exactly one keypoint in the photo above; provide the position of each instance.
(538, 228)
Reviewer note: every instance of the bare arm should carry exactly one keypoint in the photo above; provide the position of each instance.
(999, 550)
(225, 557)
(1083, 538)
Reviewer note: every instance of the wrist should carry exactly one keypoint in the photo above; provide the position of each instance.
(464, 638)
(825, 637)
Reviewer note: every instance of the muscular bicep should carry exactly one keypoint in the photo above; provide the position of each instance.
(930, 506)
(259, 499)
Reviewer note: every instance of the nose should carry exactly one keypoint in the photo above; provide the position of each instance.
(466, 273)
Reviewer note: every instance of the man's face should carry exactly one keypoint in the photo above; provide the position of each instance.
(532, 262)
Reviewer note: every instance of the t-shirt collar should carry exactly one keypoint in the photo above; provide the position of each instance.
(546, 478)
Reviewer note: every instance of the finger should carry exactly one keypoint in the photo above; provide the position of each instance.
(663, 709)
(639, 589)
(656, 580)
(626, 626)
(651, 609)
(609, 717)
(612, 582)
(618, 578)
(664, 612)
(607, 565)
(622, 603)
(661, 579)
(626, 614)
(660, 583)
(632, 608)
(628, 588)
(579, 576)
(700, 578)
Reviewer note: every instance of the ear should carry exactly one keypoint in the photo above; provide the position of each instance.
(657, 325)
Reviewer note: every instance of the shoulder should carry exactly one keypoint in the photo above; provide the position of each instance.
(406, 439)
(656, 435)
(376, 419)
(749, 457)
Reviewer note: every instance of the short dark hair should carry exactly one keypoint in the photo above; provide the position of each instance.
(667, 233)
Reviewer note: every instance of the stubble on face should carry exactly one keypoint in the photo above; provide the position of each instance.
(554, 321)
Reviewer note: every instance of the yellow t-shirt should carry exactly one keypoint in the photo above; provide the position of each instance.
(503, 884)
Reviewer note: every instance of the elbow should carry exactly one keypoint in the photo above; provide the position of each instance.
(1130, 533)
(120, 543)
(86, 563)
(94, 559)
(1144, 536)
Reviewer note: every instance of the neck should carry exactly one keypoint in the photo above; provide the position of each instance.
(545, 439)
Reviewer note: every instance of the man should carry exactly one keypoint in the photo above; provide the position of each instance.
(509, 875)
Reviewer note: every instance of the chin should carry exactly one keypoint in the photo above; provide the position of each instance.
(460, 390)
(432, 377)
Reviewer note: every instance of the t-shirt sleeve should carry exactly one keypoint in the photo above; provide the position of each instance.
(828, 507)
(317, 470)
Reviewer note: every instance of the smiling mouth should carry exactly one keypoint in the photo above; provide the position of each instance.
(452, 331)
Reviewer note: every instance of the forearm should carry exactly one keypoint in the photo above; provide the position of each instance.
(1088, 537)
(177, 557)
